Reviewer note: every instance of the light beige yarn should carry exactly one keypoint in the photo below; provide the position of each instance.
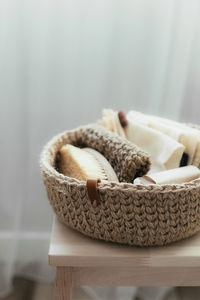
(129, 214)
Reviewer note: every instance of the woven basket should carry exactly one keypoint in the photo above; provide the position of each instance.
(129, 214)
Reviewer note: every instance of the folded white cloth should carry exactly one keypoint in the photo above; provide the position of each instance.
(165, 152)
(177, 175)
(165, 140)
(189, 137)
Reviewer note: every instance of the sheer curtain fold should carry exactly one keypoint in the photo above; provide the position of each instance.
(61, 62)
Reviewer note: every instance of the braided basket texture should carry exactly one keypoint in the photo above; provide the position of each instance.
(129, 214)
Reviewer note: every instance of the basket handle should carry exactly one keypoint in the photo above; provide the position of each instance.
(92, 185)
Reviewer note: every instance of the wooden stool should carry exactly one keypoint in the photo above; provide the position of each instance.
(80, 260)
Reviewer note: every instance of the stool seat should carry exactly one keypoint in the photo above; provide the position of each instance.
(81, 260)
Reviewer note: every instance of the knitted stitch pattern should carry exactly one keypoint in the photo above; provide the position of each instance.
(127, 159)
(129, 214)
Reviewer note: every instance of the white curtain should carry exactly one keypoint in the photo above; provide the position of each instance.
(61, 62)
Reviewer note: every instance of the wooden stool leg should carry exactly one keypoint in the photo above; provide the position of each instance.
(63, 284)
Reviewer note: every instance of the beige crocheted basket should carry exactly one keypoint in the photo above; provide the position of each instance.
(129, 214)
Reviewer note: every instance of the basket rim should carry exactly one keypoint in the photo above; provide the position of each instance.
(46, 166)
